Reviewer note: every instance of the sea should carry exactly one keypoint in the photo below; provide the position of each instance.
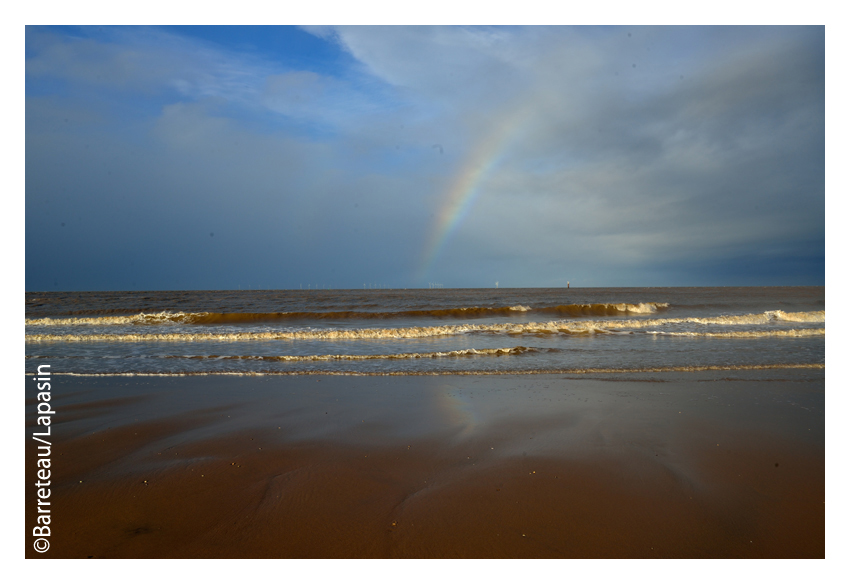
(493, 331)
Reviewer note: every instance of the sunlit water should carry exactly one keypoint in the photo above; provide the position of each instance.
(427, 331)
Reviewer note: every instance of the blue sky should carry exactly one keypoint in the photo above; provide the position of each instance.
(282, 157)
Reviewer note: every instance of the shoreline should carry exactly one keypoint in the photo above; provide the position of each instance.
(474, 467)
(589, 373)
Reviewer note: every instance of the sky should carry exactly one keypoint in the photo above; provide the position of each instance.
(165, 158)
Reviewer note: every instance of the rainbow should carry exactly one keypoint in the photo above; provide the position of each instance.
(464, 190)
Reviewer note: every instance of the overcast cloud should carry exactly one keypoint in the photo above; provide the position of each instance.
(161, 158)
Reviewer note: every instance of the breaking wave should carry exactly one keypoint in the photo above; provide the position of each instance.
(499, 352)
(214, 318)
(547, 328)
(819, 332)
(816, 316)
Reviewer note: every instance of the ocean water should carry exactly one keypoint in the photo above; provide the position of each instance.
(578, 331)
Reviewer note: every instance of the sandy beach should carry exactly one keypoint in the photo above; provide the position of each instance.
(427, 467)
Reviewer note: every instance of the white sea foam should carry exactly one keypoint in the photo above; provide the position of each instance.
(533, 328)
(208, 318)
(642, 308)
(819, 332)
(816, 316)
(392, 356)
(142, 318)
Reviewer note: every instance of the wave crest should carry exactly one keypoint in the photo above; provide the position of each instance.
(212, 318)
(819, 332)
(533, 328)
(816, 316)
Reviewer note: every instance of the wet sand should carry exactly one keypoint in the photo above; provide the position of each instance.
(427, 467)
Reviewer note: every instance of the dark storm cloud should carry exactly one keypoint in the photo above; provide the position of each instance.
(646, 156)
